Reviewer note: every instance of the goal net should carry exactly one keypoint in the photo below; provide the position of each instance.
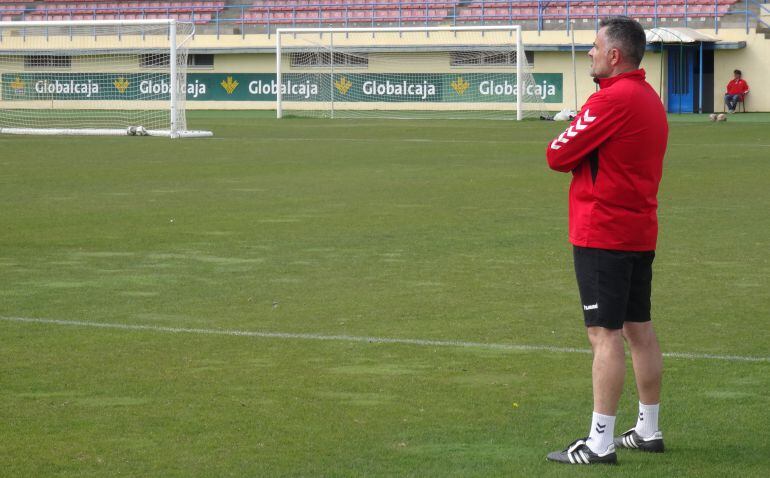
(95, 78)
(409, 72)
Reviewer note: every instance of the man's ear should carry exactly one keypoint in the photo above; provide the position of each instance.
(614, 56)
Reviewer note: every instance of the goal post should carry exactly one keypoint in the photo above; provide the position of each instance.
(406, 72)
(100, 77)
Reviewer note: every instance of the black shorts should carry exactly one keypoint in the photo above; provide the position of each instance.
(615, 286)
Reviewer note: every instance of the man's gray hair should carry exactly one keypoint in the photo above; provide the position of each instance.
(627, 35)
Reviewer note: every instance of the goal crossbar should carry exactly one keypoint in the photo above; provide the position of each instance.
(84, 23)
(402, 29)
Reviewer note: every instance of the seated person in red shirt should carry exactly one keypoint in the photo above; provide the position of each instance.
(736, 91)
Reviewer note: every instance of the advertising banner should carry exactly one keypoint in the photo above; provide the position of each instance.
(342, 87)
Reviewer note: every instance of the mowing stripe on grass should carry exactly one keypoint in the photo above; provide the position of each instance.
(369, 340)
(270, 139)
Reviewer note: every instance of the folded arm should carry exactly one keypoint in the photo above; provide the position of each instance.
(595, 123)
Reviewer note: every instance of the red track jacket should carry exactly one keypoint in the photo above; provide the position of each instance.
(614, 148)
(738, 87)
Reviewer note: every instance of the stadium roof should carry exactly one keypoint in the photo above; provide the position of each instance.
(674, 35)
(677, 35)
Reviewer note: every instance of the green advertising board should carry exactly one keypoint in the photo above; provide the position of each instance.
(84, 86)
(342, 87)
(366, 87)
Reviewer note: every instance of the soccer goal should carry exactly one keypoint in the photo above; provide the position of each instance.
(408, 72)
(109, 77)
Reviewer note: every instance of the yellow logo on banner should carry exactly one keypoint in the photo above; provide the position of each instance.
(343, 85)
(121, 84)
(460, 85)
(17, 85)
(229, 85)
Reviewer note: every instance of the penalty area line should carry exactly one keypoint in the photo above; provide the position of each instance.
(361, 339)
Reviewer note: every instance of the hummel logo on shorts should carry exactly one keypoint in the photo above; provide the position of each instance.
(591, 307)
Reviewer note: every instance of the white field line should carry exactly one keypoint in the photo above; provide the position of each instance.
(449, 141)
(362, 339)
(391, 140)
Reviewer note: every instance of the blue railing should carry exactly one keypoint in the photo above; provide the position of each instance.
(266, 16)
(762, 8)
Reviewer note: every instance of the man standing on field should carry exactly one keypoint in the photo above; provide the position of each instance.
(614, 149)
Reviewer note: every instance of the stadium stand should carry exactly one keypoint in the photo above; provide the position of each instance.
(198, 12)
(10, 9)
(404, 12)
(342, 12)
(363, 12)
(564, 10)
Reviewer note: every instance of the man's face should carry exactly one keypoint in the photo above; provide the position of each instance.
(737, 76)
(602, 56)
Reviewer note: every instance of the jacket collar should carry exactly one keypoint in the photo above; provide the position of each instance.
(638, 75)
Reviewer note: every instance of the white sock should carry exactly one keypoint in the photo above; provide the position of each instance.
(647, 423)
(602, 433)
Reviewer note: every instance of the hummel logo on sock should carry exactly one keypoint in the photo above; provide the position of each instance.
(641, 416)
(600, 428)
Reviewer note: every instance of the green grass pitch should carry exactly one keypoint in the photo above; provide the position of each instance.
(425, 230)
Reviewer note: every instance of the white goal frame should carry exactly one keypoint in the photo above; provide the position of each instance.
(373, 30)
(174, 130)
